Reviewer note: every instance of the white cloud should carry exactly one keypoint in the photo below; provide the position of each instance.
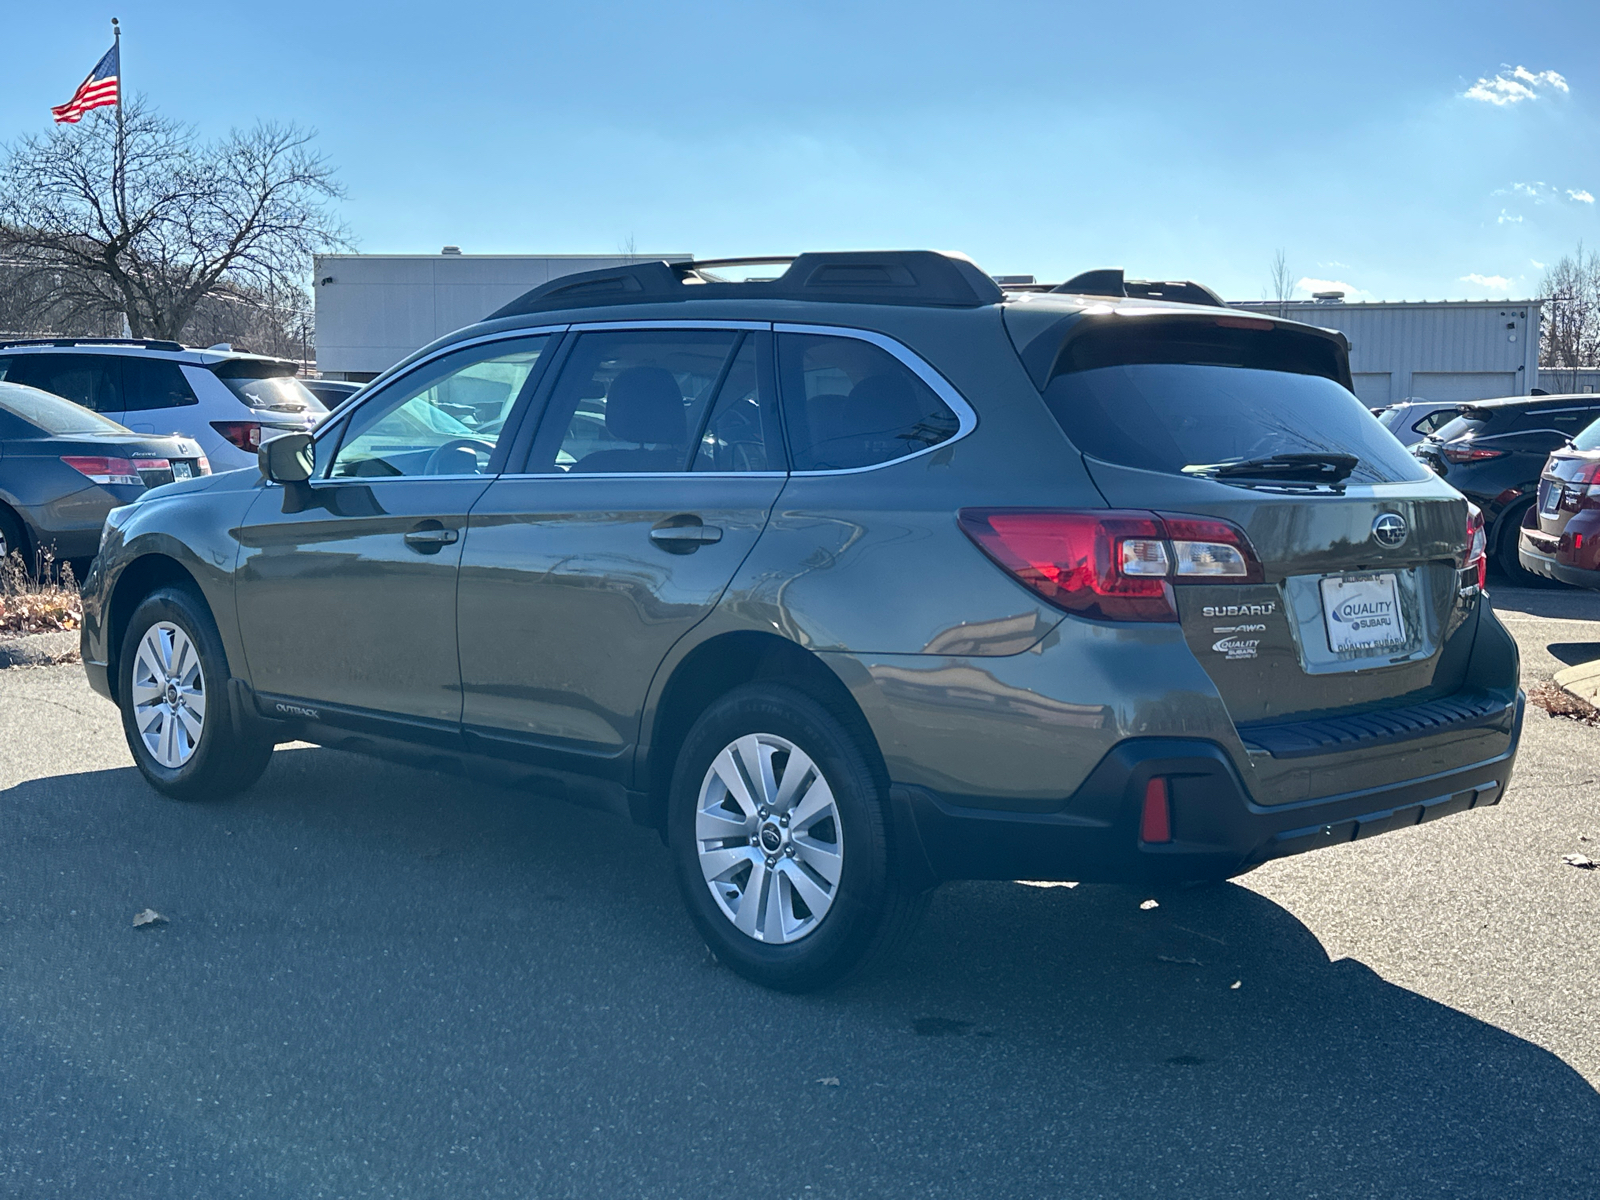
(1581, 196)
(1311, 286)
(1515, 86)
(1506, 218)
(1493, 283)
(1536, 190)
(1537, 265)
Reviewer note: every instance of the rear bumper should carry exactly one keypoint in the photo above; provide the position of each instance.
(1218, 830)
(1534, 558)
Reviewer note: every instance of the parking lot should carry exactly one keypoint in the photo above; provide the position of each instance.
(374, 981)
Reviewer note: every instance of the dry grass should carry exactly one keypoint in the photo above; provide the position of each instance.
(43, 601)
(1560, 704)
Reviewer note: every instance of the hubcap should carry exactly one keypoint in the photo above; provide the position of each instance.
(169, 694)
(769, 839)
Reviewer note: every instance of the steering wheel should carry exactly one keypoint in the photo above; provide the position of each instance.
(438, 460)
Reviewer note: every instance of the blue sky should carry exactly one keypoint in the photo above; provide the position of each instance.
(1389, 148)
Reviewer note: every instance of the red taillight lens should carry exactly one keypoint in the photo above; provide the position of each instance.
(202, 465)
(1113, 564)
(152, 464)
(244, 434)
(1155, 817)
(1469, 453)
(1477, 558)
(104, 470)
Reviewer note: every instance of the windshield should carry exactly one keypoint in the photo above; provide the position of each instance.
(269, 387)
(51, 414)
(1172, 416)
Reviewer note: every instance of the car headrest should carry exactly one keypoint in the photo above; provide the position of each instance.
(643, 404)
(885, 403)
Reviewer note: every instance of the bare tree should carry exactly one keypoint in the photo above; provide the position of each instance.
(1569, 334)
(1280, 282)
(243, 214)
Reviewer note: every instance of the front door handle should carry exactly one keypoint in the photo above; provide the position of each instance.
(684, 535)
(431, 539)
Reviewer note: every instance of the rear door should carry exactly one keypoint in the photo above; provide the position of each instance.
(1361, 587)
(654, 469)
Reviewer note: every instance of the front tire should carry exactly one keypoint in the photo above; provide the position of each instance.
(779, 834)
(176, 710)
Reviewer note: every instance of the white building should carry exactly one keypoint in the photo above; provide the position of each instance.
(374, 309)
(1430, 349)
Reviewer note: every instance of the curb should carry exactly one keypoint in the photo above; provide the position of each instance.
(1581, 682)
(39, 649)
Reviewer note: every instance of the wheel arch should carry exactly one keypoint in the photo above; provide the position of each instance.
(29, 539)
(142, 576)
(711, 670)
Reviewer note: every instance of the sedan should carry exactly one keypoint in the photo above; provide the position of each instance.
(63, 468)
(1560, 536)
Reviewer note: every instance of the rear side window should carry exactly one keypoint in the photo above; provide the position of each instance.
(92, 380)
(149, 383)
(848, 403)
(1177, 417)
(1570, 421)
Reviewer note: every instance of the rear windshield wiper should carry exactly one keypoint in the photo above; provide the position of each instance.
(1291, 468)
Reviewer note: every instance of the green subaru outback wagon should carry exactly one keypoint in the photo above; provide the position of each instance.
(849, 581)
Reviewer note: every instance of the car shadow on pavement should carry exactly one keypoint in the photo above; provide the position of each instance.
(380, 981)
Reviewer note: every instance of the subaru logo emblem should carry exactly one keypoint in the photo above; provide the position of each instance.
(1389, 530)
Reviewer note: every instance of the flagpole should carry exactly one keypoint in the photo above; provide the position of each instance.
(122, 151)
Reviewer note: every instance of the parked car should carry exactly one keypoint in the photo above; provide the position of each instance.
(224, 399)
(881, 577)
(1493, 453)
(1560, 535)
(332, 392)
(63, 468)
(1412, 420)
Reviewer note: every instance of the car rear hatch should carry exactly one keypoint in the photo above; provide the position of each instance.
(1569, 483)
(1358, 584)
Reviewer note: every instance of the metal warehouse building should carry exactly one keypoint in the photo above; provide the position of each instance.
(374, 309)
(1431, 349)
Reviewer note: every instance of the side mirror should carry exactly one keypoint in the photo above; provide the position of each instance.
(288, 459)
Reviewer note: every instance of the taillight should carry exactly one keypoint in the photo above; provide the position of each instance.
(244, 434)
(1586, 482)
(104, 470)
(152, 464)
(1477, 558)
(202, 465)
(1469, 453)
(1116, 565)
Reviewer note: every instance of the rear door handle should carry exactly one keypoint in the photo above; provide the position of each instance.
(431, 541)
(684, 539)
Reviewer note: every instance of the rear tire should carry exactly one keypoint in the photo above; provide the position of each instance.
(13, 540)
(1505, 553)
(177, 713)
(779, 834)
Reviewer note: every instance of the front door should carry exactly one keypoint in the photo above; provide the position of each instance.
(346, 586)
(653, 472)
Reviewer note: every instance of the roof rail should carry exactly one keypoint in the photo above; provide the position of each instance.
(911, 277)
(146, 343)
(1110, 282)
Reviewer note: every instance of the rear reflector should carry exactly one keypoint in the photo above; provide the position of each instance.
(1155, 818)
(1111, 564)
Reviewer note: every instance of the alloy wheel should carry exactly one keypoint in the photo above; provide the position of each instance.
(169, 694)
(769, 839)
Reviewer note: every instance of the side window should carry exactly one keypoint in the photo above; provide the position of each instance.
(154, 383)
(5, 365)
(1435, 420)
(742, 432)
(92, 380)
(848, 403)
(632, 400)
(444, 418)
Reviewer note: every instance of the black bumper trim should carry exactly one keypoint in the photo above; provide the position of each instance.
(1299, 739)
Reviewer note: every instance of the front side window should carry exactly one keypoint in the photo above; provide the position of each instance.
(635, 400)
(444, 418)
(848, 403)
(92, 380)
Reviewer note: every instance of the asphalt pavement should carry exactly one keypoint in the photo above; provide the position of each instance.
(379, 982)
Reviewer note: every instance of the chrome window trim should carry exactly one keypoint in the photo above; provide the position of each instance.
(653, 323)
(965, 414)
(630, 475)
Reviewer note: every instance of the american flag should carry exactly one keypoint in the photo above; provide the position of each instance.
(97, 91)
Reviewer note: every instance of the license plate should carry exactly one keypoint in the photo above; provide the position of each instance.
(1362, 612)
(182, 470)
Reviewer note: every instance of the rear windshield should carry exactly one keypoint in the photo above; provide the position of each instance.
(51, 414)
(269, 386)
(1588, 438)
(1172, 416)
(1461, 427)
